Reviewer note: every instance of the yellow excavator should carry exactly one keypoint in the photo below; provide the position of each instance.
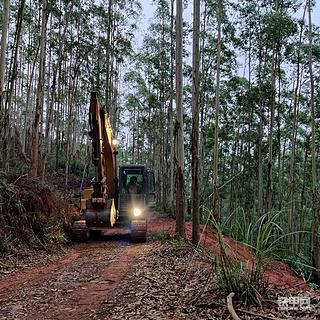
(111, 200)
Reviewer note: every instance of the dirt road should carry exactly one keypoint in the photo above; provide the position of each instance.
(71, 287)
(114, 279)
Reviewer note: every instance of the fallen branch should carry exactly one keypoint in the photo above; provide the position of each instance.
(22, 176)
(208, 305)
(230, 307)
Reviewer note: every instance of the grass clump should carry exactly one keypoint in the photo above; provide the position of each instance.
(244, 276)
(6, 241)
(160, 235)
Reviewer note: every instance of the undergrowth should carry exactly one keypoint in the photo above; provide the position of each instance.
(262, 239)
(160, 235)
(267, 237)
(244, 275)
(32, 215)
(242, 278)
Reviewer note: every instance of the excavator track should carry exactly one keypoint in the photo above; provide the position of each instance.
(139, 230)
(80, 231)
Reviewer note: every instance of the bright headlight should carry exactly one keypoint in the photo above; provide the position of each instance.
(115, 143)
(137, 212)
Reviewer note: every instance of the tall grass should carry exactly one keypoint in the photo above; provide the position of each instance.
(261, 238)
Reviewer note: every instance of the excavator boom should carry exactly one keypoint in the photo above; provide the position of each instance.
(99, 204)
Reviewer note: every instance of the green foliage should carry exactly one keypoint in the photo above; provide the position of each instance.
(244, 278)
(299, 263)
(55, 235)
(5, 243)
(314, 286)
(177, 244)
(31, 214)
(160, 235)
(52, 236)
(278, 26)
(262, 234)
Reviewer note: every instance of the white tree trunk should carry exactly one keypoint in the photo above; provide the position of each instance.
(40, 93)
(180, 199)
(4, 37)
(195, 122)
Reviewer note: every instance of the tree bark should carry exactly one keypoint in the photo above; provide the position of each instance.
(40, 93)
(170, 115)
(11, 85)
(270, 135)
(315, 248)
(292, 183)
(195, 123)
(216, 194)
(4, 37)
(179, 157)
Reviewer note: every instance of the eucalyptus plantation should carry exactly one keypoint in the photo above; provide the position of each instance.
(224, 108)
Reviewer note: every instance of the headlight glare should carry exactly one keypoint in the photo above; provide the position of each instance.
(137, 212)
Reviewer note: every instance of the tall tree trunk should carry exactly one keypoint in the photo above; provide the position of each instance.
(4, 36)
(170, 114)
(292, 177)
(315, 248)
(260, 136)
(108, 54)
(40, 93)
(195, 123)
(56, 75)
(270, 135)
(11, 84)
(179, 157)
(202, 101)
(216, 194)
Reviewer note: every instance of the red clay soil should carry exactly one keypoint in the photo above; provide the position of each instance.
(276, 273)
(74, 285)
(91, 295)
(29, 274)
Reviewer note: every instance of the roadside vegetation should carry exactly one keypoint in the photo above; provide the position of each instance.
(32, 214)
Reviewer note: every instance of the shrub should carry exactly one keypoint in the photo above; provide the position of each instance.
(160, 235)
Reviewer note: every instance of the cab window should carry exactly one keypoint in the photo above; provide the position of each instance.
(132, 181)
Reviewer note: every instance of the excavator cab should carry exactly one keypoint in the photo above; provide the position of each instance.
(136, 197)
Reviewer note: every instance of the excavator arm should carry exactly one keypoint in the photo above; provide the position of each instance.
(103, 152)
(99, 203)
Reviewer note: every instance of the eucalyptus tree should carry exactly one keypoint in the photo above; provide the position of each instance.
(40, 92)
(4, 36)
(179, 138)
(56, 77)
(214, 11)
(195, 122)
(315, 253)
(216, 195)
(151, 80)
(11, 85)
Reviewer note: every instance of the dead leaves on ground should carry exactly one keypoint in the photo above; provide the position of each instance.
(172, 281)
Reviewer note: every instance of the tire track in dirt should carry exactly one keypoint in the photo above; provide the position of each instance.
(35, 275)
(80, 303)
(70, 288)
